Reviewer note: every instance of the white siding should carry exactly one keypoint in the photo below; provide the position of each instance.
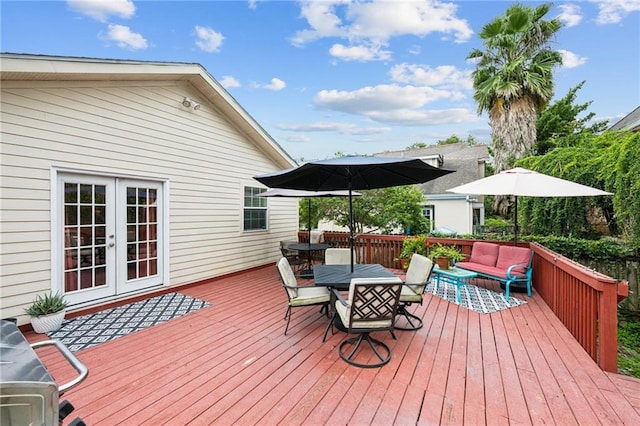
(455, 214)
(136, 130)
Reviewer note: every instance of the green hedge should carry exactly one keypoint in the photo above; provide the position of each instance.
(575, 248)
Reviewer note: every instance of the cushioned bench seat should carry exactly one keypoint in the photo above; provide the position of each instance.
(507, 264)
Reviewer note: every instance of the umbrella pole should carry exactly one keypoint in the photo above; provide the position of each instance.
(351, 238)
(309, 229)
(515, 220)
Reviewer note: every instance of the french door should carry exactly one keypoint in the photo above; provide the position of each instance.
(110, 233)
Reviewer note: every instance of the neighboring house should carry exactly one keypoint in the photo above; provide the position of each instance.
(113, 184)
(630, 122)
(446, 210)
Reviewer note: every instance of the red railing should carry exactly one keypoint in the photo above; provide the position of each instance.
(584, 300)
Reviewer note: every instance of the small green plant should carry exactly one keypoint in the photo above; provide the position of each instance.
(440, 250)
(415, 244)
(48, 304)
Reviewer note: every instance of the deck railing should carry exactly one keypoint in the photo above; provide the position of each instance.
(584, 300)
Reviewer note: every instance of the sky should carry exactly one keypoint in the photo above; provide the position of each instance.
(340, 76)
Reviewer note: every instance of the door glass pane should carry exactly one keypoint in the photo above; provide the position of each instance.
(142, 232)
(84, 236)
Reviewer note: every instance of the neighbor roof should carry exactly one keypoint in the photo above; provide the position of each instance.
(630, 122)
(461, 157)
(23, 67)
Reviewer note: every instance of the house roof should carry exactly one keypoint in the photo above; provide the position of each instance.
(25, 67)
(461, 157)
(630, 122)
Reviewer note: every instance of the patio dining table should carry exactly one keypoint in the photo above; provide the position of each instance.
(307, 271)
(339, 276)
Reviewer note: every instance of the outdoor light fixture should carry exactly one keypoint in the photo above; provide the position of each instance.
(186, 102)
(196, 106)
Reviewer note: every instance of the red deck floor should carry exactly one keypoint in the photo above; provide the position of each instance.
(231, 364)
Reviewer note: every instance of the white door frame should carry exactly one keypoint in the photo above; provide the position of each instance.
(57, 241)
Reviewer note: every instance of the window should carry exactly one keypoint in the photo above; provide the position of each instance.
(255, 209)
(429, 213)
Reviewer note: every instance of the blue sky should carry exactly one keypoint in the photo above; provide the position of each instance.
(356, 77)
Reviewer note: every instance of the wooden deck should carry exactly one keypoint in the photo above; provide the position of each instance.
(231, 364)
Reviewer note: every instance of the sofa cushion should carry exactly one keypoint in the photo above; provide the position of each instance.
(509, 255)
(487, 270)
(484, 253)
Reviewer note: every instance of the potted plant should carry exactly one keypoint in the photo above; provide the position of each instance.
(410, 245)
(444, 255)
(47, 312)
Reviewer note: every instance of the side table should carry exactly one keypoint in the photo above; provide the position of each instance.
(455, 276)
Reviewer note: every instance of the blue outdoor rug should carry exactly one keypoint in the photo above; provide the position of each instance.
(93, 329)
(477, 299)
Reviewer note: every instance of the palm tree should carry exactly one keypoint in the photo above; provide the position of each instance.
(513, 78)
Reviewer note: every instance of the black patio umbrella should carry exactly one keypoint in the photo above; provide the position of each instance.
(353, 173)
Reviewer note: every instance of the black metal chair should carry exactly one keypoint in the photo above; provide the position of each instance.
(371, 307)
(293, 256)
(300, 296)
(417, 277)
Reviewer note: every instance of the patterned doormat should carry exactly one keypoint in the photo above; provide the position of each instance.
(93, 329)
(478, 299)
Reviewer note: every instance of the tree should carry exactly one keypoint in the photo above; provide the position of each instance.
(560, 120)
(609, 161)
(417, 145)
(387, 210)
(455, 139)
(513, 78)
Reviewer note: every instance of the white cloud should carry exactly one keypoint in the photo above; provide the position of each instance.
(571, 14)
(297, 138)
(229, 82)
(101, 10)
(360, 53)
(342, 128)
(402, 105)
(374, 23)
(445, 76)
(614, 11)
(124, 38)
(415, 50)
(209, 39)
(571, 60)
(425, 117)
(276, 84)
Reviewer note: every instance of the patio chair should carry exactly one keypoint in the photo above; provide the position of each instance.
(317, 237)
(418, 273)
(337, 256)
(300, 296)
(371, 307)
(293, 256)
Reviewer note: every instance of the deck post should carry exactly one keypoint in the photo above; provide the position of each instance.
(608, 326)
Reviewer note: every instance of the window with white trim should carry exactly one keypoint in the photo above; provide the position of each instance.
(255, 209)
(429, 213)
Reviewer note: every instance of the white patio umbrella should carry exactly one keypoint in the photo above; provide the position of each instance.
(523, 182)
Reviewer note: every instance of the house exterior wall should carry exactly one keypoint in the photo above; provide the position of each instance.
(455, 214)
(138, 130)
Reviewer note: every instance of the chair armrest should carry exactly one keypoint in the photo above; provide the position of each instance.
(340, 298)
(291, 286)
(525, 267)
